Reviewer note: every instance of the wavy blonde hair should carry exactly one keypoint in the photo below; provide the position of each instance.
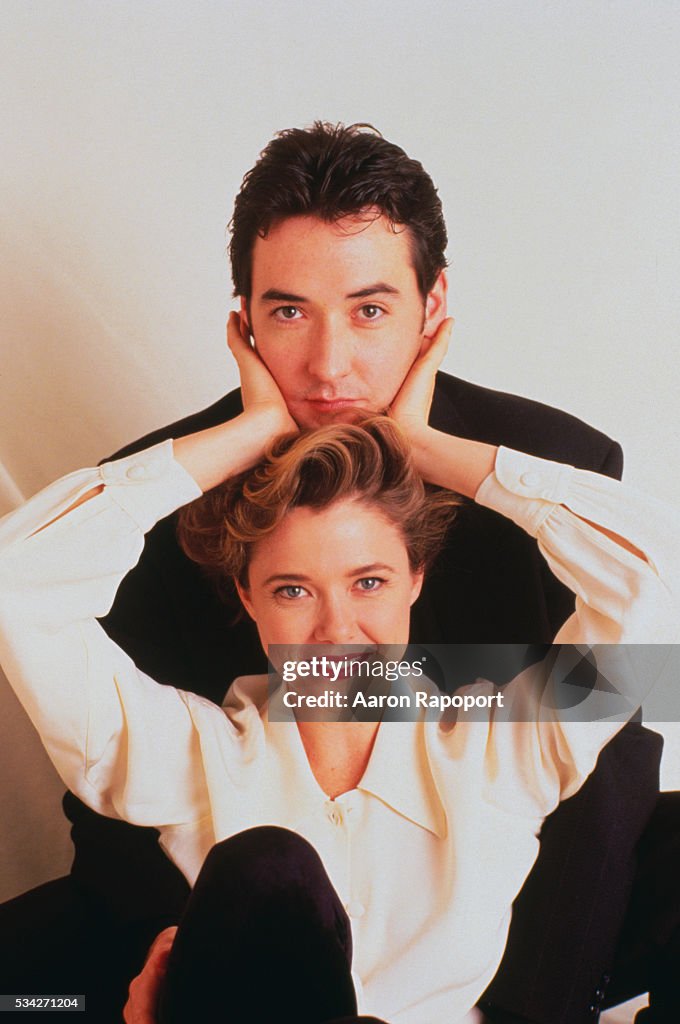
(368, 462)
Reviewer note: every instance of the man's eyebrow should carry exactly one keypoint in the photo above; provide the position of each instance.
(273, 295)
(380, 287)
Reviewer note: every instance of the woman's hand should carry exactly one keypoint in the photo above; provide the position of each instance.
(145, 989)
(259, 391)
(452, 462)
(216, 454)
(411, 407)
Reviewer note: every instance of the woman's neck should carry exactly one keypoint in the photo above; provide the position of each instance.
(338, 752)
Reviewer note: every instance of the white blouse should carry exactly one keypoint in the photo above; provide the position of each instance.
(429, 851)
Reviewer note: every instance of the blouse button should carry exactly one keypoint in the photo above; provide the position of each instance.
(334, 813)
(531, 479)
(136, 473)
(355, 908)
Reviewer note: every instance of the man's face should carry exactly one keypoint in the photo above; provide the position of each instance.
(337, 315)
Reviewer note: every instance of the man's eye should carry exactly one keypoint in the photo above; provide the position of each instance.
(287, 313)
(369, 583)
(371, 312)
(291, 591)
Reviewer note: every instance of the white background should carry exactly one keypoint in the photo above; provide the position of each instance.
(550, 129)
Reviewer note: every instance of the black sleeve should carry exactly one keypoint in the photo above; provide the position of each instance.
(612, 464)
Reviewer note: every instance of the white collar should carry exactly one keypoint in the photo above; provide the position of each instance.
(398, 772)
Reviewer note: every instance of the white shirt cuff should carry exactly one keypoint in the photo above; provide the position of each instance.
(149, 485)
(525, 488)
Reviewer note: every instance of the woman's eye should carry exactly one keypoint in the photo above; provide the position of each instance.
(287, 313)
(369, 583)
(291, 591)
(371, 312)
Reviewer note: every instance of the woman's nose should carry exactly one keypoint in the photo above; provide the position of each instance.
(336, 623)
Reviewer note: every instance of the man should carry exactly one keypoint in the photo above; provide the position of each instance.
(337, 255)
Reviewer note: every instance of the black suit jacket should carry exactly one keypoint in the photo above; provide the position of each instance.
(490, 586)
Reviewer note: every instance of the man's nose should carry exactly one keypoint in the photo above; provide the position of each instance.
(336, 622)
(331, 351)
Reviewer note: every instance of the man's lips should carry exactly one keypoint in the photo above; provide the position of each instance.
(333, 404)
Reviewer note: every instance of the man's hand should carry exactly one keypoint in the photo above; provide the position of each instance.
(146, 987)
(411, 407)
(259, 390)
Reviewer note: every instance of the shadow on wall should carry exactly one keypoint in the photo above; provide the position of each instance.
(94, 352)
(68, 357)
(51, 420)
(35, 844)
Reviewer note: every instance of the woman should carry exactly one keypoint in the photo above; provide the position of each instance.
(421, 835)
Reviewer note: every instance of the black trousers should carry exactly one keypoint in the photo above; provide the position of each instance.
(60, 939)
(264, 939)
(647, 962)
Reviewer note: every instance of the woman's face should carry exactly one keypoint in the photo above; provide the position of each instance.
(336, 576)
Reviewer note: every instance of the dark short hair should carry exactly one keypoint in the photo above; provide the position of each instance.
(332, 171)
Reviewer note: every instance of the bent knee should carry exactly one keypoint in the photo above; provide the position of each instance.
(266, 853)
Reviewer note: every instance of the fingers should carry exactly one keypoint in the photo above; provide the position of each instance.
(237, 340)
(163, 942)
(434, 354)
(412, 403)
(142, 1002)
(250, 366)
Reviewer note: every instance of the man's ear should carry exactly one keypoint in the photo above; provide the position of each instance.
(245, 599)
(435, 305)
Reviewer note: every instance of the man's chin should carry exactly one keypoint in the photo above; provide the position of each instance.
(310, 415)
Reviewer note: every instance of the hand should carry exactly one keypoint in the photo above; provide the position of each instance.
(259, 390)
(146, 987)
(451, 462)
(213, 455)
(411, 406)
